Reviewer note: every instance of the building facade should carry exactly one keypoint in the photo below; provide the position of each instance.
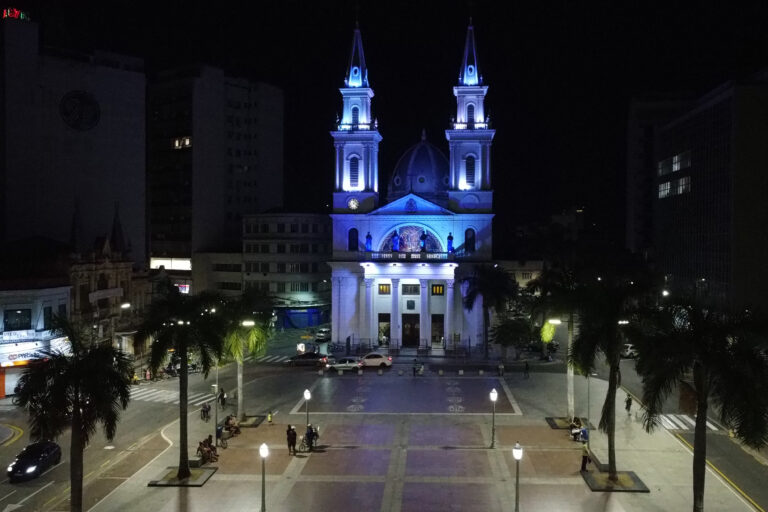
(709, 213)
(397, 266)
(72, 140)
(215, 154)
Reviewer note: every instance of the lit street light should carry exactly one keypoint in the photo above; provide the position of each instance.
(494, 396)
(307, 397)
(248, 323)
(264, 452)
(517, 453)
(568, 367)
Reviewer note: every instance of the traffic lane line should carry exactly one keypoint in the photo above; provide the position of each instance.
(17, 433)
(720, 473)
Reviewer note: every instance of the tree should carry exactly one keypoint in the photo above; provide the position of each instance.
(602, 304)
(80, 389)
(183, 324)
(514, 331)
(248, 330)
(494, 287)
(723, 353)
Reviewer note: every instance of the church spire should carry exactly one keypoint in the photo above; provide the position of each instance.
(116, 239)
(357, 73)
(469, 74)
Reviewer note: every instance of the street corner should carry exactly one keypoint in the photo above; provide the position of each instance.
(9, 434)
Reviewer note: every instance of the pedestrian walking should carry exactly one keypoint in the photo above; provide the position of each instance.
(222, 397)
(415, 366)
(628, 404)
(585, 458)
(501, 368)
(526, 370)
(269, 418)
(290, 435)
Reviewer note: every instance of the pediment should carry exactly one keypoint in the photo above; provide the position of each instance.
(411, 204)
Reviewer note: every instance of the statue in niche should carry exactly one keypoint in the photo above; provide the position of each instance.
(368, 241)
(423, 241)
(395, 241)
(450, 242)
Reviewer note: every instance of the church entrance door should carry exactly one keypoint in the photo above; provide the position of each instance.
(410, 330)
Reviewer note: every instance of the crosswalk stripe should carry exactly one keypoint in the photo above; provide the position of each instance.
(191, 398)
(676, 422)
(146, 394)
(260, 358)
(711, 426)
(271, 359)
(667, 424)
(201, 401)
(684, 419)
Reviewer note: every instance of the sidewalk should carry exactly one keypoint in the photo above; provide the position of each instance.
(420, 462)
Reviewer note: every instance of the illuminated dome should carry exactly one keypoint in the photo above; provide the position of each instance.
(423, 169)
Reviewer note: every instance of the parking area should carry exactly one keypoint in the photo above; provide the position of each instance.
(392, 393)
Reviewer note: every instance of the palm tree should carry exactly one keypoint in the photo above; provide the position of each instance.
(602, 305)
(248, 330)
(80, 389)
(495, 287)
(183, 324)
(723, 353)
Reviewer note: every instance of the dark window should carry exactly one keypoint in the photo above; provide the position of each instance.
(471, 115)
(228, 286)
(227, 267)
(294, 228)
(17, 319)
(280, 287)
(410, 289)
(281, 267)
(305, 228)
(352, 240)
(47, 317)
(385, 289)
(355, 116)
(280, 248)
(265, 267)
(265, 228)
(470, 170)
(264, 248)
(438, 289)
(354, 165)
(281, 228)
(62, 310)
(469, 240)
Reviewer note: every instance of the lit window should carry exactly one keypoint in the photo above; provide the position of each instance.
(354, 166)
(471, 115)
(684, 185)
(664, 189)
(385, 289)
(182, 142)
(438, 289)
(355, 117)
(526, 275)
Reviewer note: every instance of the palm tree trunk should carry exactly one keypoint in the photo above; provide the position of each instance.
(76, 462)
(486, 321)
(700, 381)
(240, 411)
(183, 407)
(609, 418)
(569, 370)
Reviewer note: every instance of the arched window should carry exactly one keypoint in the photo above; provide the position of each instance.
(470, 163)
(471, 115)
(355, 116)
(469, 240)
(354, 171)
(352, 240)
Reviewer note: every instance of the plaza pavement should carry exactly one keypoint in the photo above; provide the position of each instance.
(421, 462)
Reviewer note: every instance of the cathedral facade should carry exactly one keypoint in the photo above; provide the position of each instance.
(397, 267)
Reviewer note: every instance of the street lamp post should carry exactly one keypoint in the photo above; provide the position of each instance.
(264, 452)
(517, 453)
(568, 367)
(307, 397)
(494, 396)
(216, 406)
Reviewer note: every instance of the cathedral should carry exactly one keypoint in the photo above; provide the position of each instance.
(397, 267)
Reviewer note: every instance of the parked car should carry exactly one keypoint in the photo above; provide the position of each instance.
(33, 460)
(323, 333)
(345, 363)
(376, 359)
(308, 359)
(629, 351)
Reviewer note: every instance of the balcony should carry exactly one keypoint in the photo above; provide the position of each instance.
(408, 256)
(352, 127)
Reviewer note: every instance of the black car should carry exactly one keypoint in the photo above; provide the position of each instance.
(34, 460)
(308, 359)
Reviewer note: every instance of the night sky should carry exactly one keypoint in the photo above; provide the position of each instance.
(560, 75)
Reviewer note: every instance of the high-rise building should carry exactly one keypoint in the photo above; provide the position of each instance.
(396, 267)
(72, 142)
(215, 154)
(709, 209)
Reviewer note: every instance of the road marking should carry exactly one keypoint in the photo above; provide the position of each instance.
(17, 433)
(25, 499)
(720, 473)
(1, 499)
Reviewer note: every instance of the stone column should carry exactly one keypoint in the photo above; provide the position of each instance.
(370, 324)
(339, 167)
(394, 317)
(336, 309)
(425, 318)
(448, 319)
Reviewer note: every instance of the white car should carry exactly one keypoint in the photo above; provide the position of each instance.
(629, 351)
(345, 363)
(376, 359)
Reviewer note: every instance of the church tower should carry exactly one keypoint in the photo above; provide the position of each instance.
(356, 140)
(470, 138)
